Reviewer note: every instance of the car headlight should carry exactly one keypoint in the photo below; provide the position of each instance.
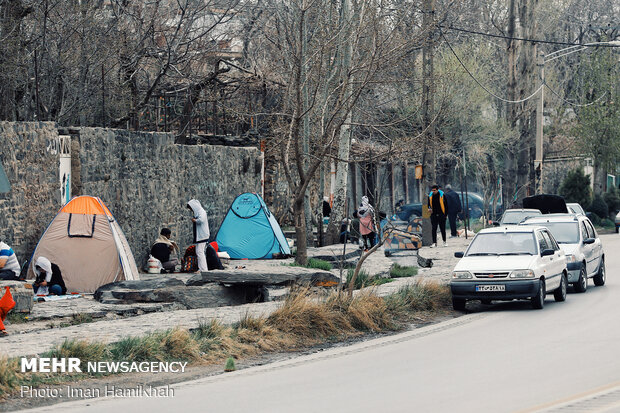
(570, 259)
(522, 274)
(462, 275)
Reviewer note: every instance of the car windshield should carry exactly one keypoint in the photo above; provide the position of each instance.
(563, 232)
(502, 243)
(514, 217)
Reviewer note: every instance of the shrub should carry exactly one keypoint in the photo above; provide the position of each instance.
(612, 199)
(599, 207)
(315, 263)
(362, 280)
(576, 187)
(399, 271)
(607, 223)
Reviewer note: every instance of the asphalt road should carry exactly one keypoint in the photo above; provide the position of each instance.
(501, 358)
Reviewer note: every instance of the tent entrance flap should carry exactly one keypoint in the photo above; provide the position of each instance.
(81, 225)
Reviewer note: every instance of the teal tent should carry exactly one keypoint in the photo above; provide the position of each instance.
(5, 186)
(250, 231)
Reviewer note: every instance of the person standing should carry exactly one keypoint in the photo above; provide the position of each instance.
(454, 207)
(9, 266)
(366, 215)
(201, 233)
(438, 207)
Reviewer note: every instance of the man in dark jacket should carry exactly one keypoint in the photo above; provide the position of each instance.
(454, 207)
(438, 206)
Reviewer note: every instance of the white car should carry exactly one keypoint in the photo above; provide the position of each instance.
(507, 263)
(585, 257)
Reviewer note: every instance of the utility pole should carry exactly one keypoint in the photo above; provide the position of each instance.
(428, 156)
(538, 162)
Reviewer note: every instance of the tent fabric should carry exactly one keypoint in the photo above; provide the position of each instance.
(87, 205)
(5, 185)
(89, 247)
(250, 231)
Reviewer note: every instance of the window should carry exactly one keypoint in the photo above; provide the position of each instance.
(584, 230)
(81, 225)
(591, 230)
(549, 240)
(542, 243)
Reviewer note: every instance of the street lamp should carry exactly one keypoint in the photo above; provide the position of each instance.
(542, 59)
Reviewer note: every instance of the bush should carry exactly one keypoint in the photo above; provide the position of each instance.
(599, 207)
(595, 220)
(399, 271)
(612, 199)
(607, 223)
(576, 187)
(362, 280)
(315, 263)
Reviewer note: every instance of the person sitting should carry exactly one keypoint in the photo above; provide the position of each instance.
(49, 278)
(9, 266)
(165, 250)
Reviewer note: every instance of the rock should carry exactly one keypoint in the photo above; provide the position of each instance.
(138, 286)
(172, 290)
(275, 275)
(424, 262)
(22, 294)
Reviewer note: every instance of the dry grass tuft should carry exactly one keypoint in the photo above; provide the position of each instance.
(307, 318)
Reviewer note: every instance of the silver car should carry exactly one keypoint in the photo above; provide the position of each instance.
(576, 235)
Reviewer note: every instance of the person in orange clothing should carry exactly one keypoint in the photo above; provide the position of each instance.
(6, 304)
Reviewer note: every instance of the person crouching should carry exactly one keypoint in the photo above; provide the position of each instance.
(49, 278)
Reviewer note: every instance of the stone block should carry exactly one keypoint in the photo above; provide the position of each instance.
(22, 294)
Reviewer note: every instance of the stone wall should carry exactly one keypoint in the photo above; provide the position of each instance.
(30, 158)
(144, 178)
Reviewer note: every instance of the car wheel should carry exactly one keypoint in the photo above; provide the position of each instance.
(486, 301)
(459, 304)
(560, 293)
(599, 278)
(538, 301)
(582, 283)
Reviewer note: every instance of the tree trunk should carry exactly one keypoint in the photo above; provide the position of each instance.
(300, 230)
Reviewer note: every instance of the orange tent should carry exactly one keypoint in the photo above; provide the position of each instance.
(88, 245)
(6, 304)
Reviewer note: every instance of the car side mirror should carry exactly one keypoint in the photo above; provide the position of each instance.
(589, 241)
(546, 252)
(495, 224)
(459, 254)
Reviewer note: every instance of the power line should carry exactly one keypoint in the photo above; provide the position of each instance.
(481, 85)
(581, 105)
(499, 36)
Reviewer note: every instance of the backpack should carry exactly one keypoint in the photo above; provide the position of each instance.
(189, 264)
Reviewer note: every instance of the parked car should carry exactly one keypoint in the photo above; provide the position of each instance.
(576, 235)
(507, 263)
(575, 208)
(617, 222)
(514, 216)
(476, 207)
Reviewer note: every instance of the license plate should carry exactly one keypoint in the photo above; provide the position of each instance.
(498, 287)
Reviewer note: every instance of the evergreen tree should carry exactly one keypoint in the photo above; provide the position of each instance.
(576, 187)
